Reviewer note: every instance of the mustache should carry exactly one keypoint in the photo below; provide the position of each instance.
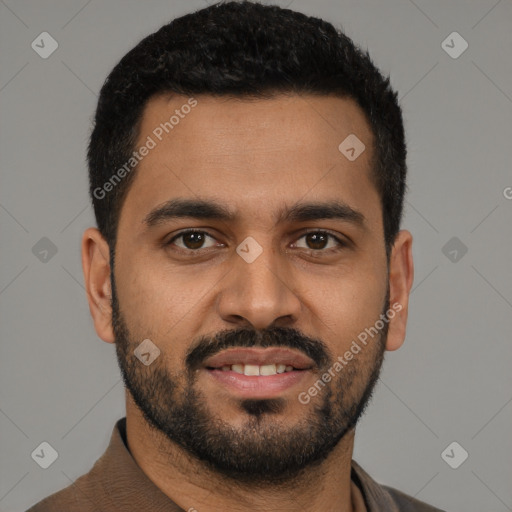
(248, 338)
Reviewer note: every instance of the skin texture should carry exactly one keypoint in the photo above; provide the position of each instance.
(255, 157)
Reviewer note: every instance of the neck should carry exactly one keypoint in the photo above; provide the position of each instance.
(193, 486)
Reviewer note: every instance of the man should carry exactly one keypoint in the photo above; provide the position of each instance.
(247, 171)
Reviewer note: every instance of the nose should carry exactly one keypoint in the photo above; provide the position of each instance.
(259, 293)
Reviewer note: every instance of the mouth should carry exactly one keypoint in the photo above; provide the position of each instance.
(258, 373)
(256, 370)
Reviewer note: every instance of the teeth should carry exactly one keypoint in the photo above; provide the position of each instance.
(268, 369)
(251, 369)
(254, 369)
(238, 368)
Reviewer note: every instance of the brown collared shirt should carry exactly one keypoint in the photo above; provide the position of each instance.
(117, 483)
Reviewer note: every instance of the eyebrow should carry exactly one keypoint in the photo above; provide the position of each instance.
(208, 209)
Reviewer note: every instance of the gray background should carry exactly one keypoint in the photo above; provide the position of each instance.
(451, 381)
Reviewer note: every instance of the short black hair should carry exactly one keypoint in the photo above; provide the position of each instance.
(242, 49)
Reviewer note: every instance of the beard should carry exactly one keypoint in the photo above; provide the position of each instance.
(262, 450)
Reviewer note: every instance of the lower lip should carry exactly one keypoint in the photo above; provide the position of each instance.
(254, 386)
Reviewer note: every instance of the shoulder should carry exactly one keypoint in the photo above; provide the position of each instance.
(69, 499)
(88, 493)
(382, 498)
(405, 503)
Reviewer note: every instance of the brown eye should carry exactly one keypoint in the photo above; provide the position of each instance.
(319, 240)
(191, 240)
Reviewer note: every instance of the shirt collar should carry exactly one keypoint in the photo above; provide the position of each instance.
(122, 476)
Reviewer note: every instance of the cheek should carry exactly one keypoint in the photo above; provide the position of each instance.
(348, 306)
(149, 292)
(162, 305)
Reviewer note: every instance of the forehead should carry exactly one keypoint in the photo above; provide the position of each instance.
(227, 127)
(254, 155)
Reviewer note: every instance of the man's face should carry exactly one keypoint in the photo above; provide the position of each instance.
(254, 291)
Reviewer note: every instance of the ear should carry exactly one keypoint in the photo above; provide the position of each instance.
(96, 268)
(401, 276)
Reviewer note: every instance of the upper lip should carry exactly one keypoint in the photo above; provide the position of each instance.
(259, 356)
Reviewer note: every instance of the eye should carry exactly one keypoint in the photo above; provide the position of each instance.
(319, 240)
(192, 239)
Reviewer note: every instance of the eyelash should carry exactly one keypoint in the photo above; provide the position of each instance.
(341, 244)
